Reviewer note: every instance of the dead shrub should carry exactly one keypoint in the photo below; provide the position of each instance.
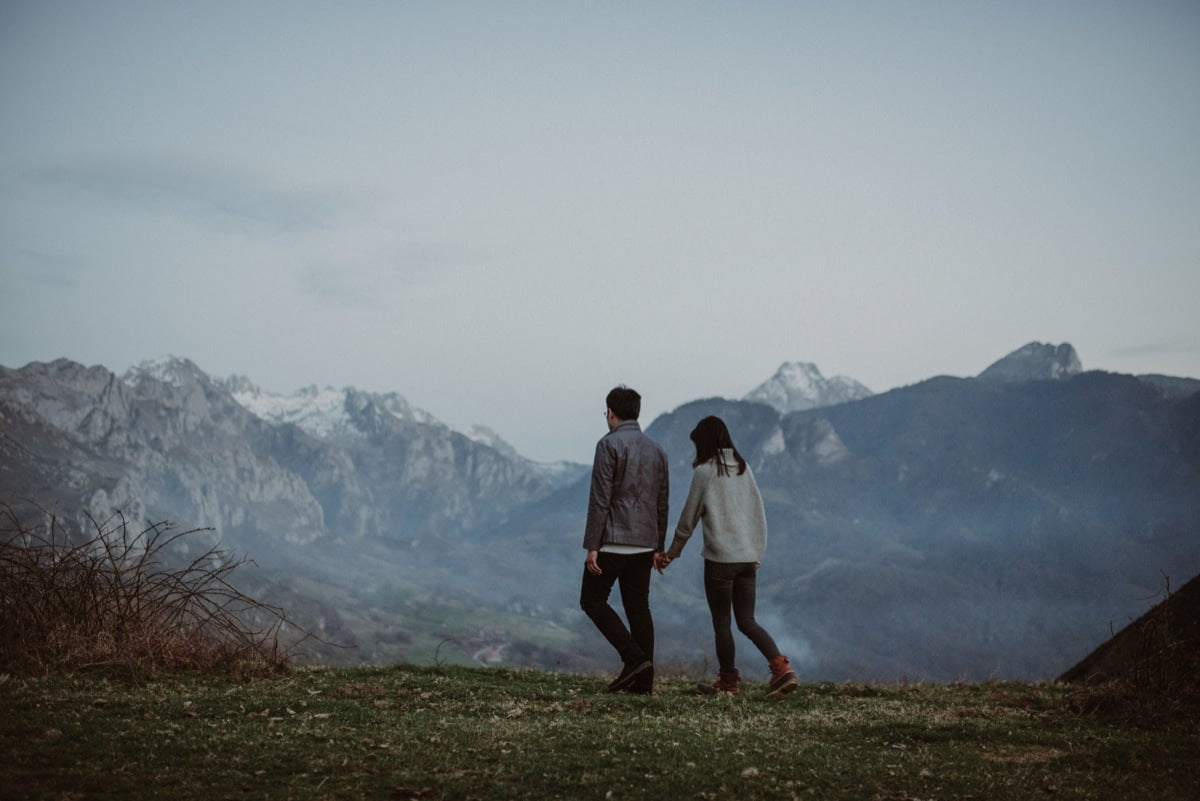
(113, 601)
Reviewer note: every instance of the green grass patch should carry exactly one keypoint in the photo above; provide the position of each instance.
(457, 733)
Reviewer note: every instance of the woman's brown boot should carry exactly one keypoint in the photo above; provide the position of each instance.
(783, 680)
(726, 683)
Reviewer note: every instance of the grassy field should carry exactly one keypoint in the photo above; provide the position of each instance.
(458, 733)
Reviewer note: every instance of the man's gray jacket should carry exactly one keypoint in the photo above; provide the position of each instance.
(628, 501)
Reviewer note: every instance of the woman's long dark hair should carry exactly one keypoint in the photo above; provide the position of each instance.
(709, 436)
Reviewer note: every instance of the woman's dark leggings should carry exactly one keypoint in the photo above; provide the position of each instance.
(731, 586)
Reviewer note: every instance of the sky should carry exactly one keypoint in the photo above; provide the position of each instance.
(500, 210)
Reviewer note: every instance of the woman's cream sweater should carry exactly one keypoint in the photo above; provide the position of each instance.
(735, 524)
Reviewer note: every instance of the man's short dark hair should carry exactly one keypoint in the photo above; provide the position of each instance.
(625, 403)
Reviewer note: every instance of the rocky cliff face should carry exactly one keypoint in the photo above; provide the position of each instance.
(383, 468)
(167, 441)
(1037, 361)
(162, 443)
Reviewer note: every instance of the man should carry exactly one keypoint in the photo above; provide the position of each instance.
(626, 527)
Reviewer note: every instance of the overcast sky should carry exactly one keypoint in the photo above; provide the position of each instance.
(500, 210)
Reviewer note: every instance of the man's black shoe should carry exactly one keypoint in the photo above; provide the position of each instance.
(628, 674)
(643, 683)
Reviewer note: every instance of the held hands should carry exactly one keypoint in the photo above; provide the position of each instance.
(661, 560)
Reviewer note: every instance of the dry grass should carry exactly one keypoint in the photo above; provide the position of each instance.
(125, 603)
(455, 733)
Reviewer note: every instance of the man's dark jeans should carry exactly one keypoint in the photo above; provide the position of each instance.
(728, 586)
(632, 571)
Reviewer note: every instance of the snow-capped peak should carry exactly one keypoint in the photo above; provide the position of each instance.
(318, 411)
(321, 411)
(172, 370)
(486, 436)
(799, 385)
(241, 384)
(399, 406)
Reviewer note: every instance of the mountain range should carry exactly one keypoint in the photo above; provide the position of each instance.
(958, 528)
(167, 441)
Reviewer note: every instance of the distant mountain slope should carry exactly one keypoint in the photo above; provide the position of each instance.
(994, 524)
(1172, 386)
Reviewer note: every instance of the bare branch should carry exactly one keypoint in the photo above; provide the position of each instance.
(112, 603)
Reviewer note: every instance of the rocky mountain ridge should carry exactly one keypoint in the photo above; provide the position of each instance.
(1037, 361)
(330, 415)
(167, 441)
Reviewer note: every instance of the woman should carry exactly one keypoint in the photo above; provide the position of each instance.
(724, 495)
